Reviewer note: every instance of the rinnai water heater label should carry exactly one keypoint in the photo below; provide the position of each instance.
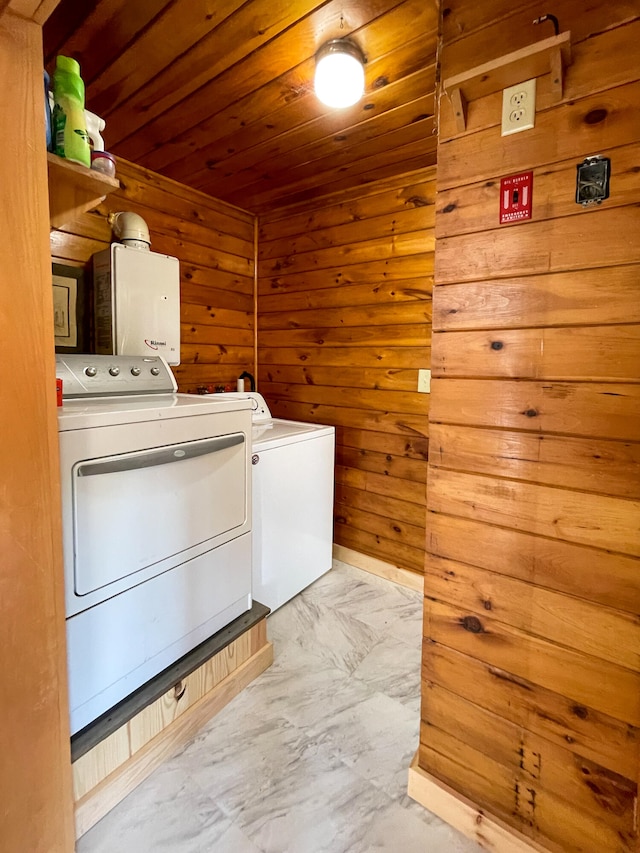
(515, 197)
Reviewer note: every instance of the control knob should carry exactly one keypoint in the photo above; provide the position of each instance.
(90, 371)
(135, 371)
(155, 371)
(114, 371)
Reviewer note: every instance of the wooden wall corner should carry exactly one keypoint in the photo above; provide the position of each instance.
(404, 577)
(465, 816)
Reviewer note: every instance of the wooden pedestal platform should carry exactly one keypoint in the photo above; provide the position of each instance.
(108, 771)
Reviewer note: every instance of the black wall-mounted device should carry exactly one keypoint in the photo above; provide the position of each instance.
(592, 183)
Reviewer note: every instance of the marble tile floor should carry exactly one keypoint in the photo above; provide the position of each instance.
(312, 757)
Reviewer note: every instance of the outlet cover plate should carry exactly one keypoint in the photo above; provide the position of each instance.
(519, 107)
(424, 381)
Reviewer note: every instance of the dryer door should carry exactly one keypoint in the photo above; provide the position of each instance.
(140, 512)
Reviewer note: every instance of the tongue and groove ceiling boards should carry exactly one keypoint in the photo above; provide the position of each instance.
(218, 94)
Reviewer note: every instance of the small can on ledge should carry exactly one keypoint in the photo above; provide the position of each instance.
(103, 162)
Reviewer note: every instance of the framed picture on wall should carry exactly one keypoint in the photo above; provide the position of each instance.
(70, 318)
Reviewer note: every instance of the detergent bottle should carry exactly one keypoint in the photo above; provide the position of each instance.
(70, 139)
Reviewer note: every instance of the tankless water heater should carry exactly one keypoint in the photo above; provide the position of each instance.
(136, 303)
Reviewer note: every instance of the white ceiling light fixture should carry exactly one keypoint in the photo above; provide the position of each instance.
(339, 80)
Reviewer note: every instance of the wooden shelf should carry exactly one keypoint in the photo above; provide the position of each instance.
(74, 189)
(551, 55)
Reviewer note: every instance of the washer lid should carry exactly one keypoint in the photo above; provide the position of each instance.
(277, 432)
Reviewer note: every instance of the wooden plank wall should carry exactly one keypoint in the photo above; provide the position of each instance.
(531, 665)
(35, 778)
(344, 300)
(215, 244)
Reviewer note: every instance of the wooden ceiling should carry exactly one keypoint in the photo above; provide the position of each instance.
(218, 94)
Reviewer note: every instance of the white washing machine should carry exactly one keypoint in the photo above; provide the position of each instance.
(292, 503)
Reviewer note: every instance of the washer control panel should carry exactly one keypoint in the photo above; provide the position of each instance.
(259, 410)
(109, 375)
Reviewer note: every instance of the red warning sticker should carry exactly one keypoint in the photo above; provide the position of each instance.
(515, 197)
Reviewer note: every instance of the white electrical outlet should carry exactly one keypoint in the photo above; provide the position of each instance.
(424, 381)
(519, 107)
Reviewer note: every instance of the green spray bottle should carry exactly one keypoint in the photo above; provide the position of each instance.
(70, 139)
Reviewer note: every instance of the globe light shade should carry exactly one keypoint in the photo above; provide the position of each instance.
(339, 80)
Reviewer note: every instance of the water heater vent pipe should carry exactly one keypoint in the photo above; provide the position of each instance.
(130, 229)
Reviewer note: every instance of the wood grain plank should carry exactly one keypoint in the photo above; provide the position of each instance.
(475, 32)
(91, 808)
(594, 354)
(412, 218)
(419, 191)
(406, 335)
(151, 189)
(463, 814)
(213, 294)
(380, 484)
(377, 400)
(578, 517)
(382, 505)
(207, 315)
(543, 815)
(583, 297)
(393, 127)
(347, 195)
(474, 208)
(151, 57)
(541, 247)
(248, 118)
(215, 335)
(390, 160)
(591, 71)
(269, 40)
(97, 41)
(383, 528)
(611, 689)
(550, 436)
(379, 293)
(379, 249)
(417, 265)
(383, 463)
(350, 377)
(379, 568)
(531, 758)
(387, 422)
(412, 448)
(177, 232)
(559, 719)
(35, 786)
(476, 154)
(593, 410)
(562, 619)
(390, 551)
(384, 357)
(362, 358)
(400, 314)
(607, 467)
(599, 576)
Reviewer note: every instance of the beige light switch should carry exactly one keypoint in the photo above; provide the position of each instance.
(424, 381)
